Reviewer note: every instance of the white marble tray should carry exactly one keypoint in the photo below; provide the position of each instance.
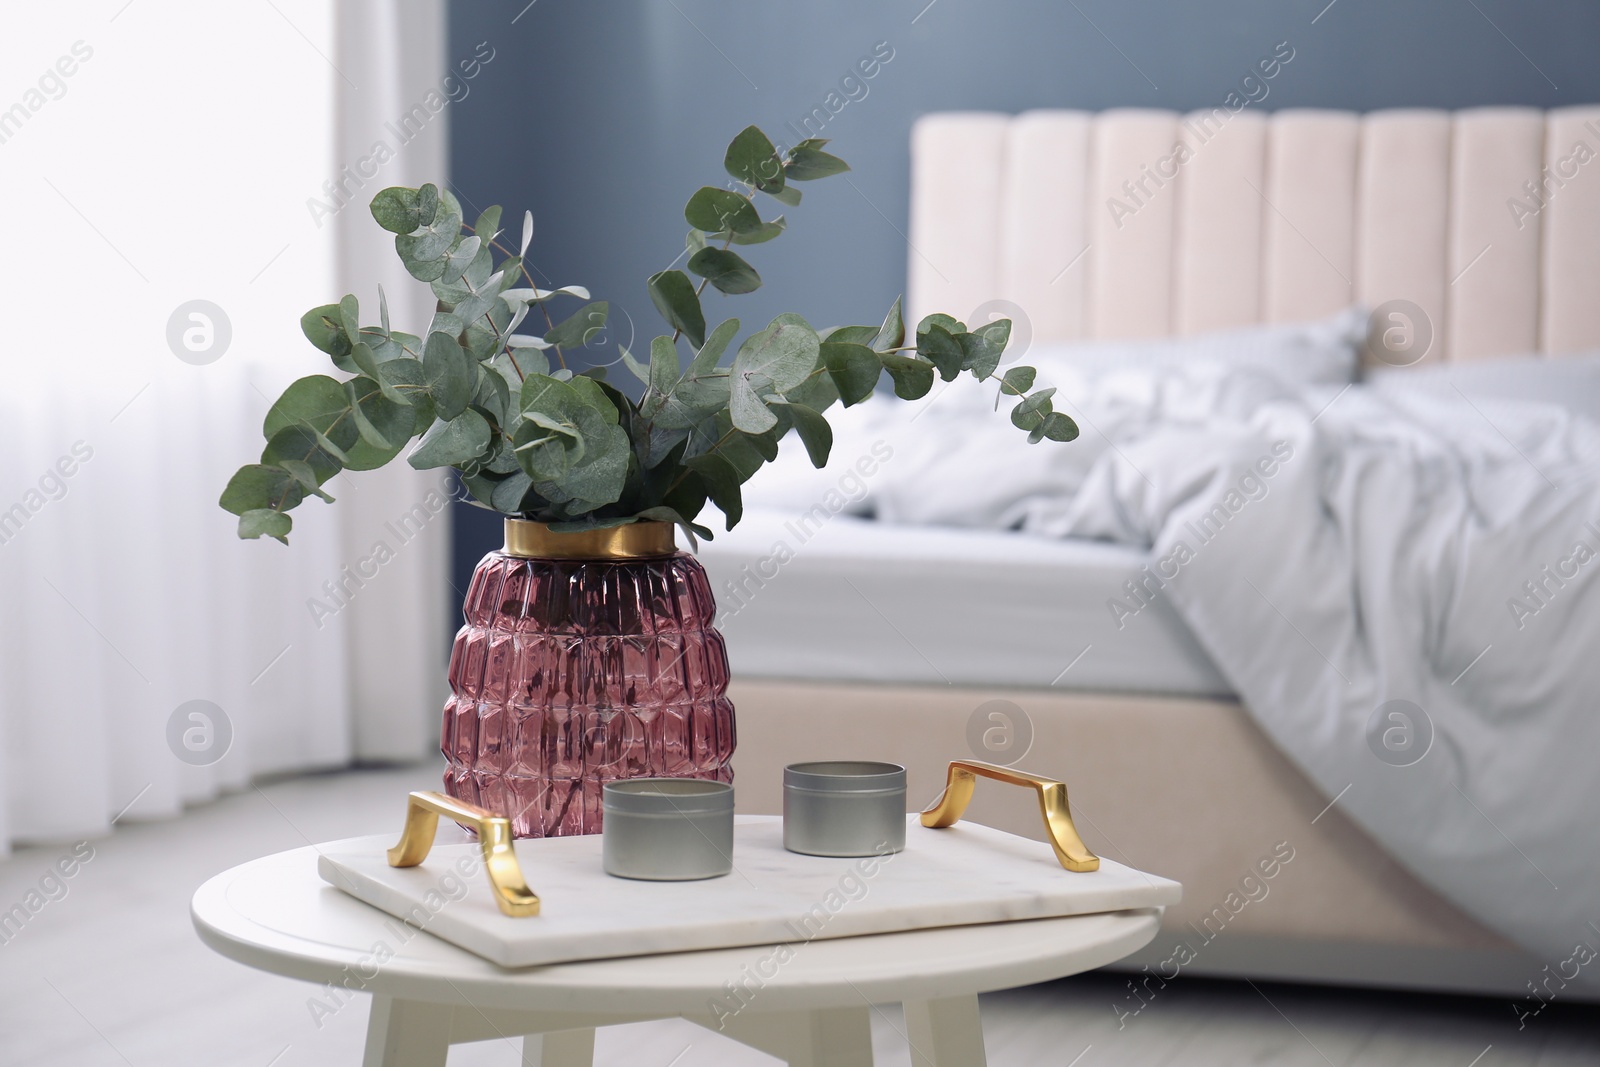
(963, 875)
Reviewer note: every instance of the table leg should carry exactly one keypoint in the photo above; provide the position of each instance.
(563, 1048)
(407, 1033)
(945, 1033)
(835, 1037)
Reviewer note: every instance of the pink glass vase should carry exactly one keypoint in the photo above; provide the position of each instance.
(584, 658)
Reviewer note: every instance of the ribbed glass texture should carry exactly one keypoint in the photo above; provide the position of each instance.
(569, 674)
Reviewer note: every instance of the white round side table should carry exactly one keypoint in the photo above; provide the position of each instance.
(808, 1007)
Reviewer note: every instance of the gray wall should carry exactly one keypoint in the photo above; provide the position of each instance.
(603, 116)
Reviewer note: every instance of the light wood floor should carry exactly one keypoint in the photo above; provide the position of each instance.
(112, 974)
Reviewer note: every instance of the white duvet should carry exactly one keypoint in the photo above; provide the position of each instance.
(1335, 552)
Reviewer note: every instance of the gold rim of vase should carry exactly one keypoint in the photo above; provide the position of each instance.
(635, 540)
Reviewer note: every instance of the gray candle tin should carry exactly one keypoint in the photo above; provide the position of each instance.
(667, 829)
(844, 808)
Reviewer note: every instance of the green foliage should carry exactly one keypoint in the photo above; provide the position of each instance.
(484, 391)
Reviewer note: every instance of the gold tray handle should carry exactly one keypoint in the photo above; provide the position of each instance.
(964, 774)
(423, 809)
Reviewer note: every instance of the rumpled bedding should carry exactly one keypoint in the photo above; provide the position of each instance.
(1401, 587)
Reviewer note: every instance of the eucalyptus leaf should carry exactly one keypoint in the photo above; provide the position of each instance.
(1016, 381)
(766, 442)
(302, 442)
(979, 355)
(814, 432)
(402, 379)
(721, 484)
(460, 258)
(1059, 427)
(307, 477)
(363, 456)
(503, 458)
(749, 413)
(325, 330)
(761, 234)
(578, 328)
(598, 478)
(327, 444)
(664, 367)
(508, 494)
(856, 335)
(365, 359)
(783, 355)
(788, 196)
(317, 401)
(429, 243)
(424, 270)
(912, 377)
(939, 346)
(488, 224)
(808, 164)
(892, 334)
(735, 447)
(459, 440)
(635, 368)
(446, 323)
(590, 392)
(450, 375)
(702, 390)
(950, 324)
(482, 486)
(997, 333)
(556, 426)
(265, 521)
(752, 159)
(539, 296)
(710, 353)
(726, 270)
(546, 393)
(673, 294)
(1030, 413)
(259, 486)
(350, 317)
(492, 395)
(478, 304)
(395, 209)
(854, 368)
(817, 392)
(714, 210)
(381, 422)
(427, 204)
(545, 453)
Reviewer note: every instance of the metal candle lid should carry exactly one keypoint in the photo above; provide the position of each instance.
(845, 776)
(667, 796)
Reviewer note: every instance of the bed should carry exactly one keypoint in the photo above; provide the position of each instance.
(843, 643)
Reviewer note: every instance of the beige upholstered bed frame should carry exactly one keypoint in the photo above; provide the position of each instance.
(1099, 225)
(1095, 227)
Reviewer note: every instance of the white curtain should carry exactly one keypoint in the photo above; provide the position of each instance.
(153, 155)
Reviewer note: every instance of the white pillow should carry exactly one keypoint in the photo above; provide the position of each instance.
(1323, 352)
(1572, 382)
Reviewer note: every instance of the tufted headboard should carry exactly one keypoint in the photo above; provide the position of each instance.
(1136, 223)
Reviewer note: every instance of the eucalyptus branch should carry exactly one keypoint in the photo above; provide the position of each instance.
(522, 265)
(576, 451)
